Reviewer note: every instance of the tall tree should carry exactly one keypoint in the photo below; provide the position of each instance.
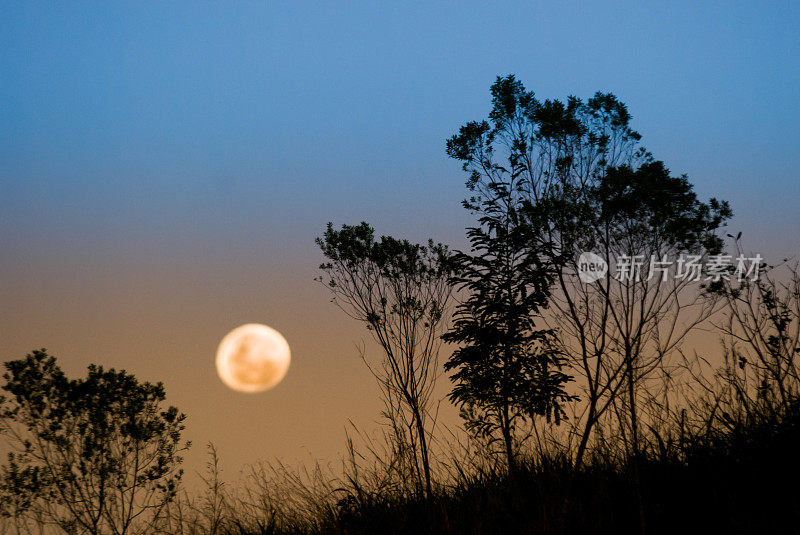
(92, 455)
(400, 291)
(586, 185)
(506, 370)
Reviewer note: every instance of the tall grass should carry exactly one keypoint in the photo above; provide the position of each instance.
(726, 475)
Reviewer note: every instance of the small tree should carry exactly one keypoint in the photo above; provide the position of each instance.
(507, 370)
(761, 328)
(400, 291)
(94, 455)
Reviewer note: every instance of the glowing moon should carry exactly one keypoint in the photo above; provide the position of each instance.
(253, 358)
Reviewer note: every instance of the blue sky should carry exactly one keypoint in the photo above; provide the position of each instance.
(119, 115)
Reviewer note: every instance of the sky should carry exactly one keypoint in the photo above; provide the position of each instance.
(166, 166)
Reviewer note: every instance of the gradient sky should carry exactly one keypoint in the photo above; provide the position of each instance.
(165, 167)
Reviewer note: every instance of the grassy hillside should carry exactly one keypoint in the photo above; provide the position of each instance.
(743, 479)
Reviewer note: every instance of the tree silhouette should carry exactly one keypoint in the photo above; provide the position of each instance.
(92, 455)
(400, 291)
(507, 370)
(585, 184)
(761, 328)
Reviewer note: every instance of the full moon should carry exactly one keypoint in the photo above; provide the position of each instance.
(253, 358)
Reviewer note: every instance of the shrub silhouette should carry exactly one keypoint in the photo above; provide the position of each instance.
(91, 455)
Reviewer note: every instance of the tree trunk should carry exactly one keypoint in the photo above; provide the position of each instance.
(508, 439)
(586, 432)
(635, 442)
(423, 447)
